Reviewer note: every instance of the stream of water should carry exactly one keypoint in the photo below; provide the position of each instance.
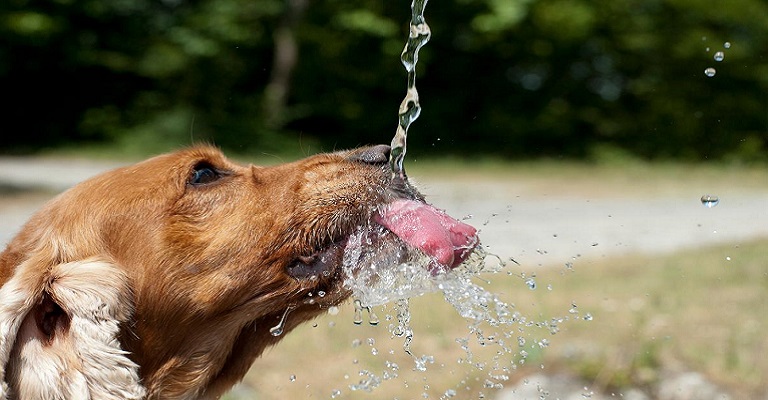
(410, 109)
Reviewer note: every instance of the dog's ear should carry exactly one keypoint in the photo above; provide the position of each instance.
(59, 329)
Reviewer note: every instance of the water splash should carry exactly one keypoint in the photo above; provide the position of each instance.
(493, 325)
(419, 34)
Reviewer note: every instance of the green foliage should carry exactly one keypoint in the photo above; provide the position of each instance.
(510, 78)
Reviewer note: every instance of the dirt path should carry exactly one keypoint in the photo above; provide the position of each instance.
(554, 229)
(516, 220)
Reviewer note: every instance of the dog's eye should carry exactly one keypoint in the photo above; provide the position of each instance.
(203, 173)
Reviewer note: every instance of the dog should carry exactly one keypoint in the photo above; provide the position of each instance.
(161, 280)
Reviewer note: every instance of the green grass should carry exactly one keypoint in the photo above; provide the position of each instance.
(650, 316)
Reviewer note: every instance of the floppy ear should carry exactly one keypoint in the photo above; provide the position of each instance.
(58, 333)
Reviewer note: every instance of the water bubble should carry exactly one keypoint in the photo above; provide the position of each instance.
(333, 310)
(719, 56)
(710, 72)
(709, 200)
(727, 45)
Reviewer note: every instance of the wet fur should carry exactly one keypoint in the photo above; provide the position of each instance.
(138, 284)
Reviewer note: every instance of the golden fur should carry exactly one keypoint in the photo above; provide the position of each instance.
(162, 279)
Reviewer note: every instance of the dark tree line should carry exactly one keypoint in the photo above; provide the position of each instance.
(513, 78)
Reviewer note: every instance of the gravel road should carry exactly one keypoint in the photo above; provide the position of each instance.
(531, 227)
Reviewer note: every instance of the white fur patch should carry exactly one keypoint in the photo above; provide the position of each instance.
(16, 303)
(86, 360)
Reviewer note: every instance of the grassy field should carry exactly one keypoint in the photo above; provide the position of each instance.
(619, 322)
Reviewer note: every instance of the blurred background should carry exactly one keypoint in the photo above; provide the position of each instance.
(614, 149)
(507, 78)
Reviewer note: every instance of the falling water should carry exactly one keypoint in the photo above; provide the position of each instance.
(410, 109)
(278, 329)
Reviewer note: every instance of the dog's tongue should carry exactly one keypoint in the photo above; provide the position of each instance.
(432, 231)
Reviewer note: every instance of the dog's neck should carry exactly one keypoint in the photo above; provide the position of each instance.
(172, 367)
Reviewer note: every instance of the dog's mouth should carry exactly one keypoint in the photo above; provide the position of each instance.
(390, 236)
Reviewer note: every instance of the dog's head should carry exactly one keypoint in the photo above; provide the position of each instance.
(172, 271)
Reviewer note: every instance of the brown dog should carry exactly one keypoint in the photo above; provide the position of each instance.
(163, 279)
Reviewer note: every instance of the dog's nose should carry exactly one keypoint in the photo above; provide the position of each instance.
(378, 154)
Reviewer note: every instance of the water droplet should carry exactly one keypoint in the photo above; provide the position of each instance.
(358, 317)
(709, 200)
(588, 317)
(333, 310)
(710, 72)
(292, 378)
(373, 319)
(321, 293)
(531, 283)
(727, 258)
(719, 56)
(335, 393)
(727, 45)
(277, 330)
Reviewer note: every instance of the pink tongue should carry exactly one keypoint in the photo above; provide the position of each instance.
(432, 231)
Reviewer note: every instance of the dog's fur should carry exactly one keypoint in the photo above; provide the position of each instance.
(163, 279)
